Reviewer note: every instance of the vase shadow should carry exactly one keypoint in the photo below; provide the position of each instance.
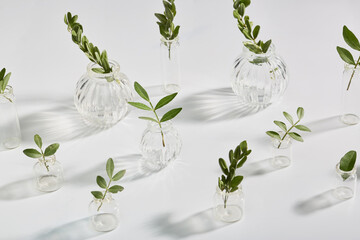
(257, 168)
(326, 124)
(198, 223)
(19, 190)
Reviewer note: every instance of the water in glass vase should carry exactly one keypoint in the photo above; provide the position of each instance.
(104, 213)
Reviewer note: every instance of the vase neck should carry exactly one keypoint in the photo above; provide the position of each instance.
(104, 76)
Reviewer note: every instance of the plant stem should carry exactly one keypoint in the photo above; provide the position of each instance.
(352, 75)
(158, 121)
(107, 188)
(42, 153)
(169, 49)
(288, 132)
(226, 199)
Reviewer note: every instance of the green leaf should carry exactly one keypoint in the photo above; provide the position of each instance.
(348, 161)
(256, 31)
(345, 55)
(119, 175)
(6, 81)
(303, 128)
(237, 152)
(245, 2)
(243, 146)
(38, 141)
(148, 118)
(289, 118)
(165, 100)
(296, 136)
(101, 182)
(273, 134)
(175, 33)
(236, 181)
(110, 167)
(161, 17)
(51, 150)
(266, 46)
(241, 9)
(141, 91)
(351, 39)
(116, 188)
(98, 70)
(231, 155)
(253, 47)
(97, 194)
(2, 73)
(300, 112)
(223, 166)
(281, 125)
(33, 153)
(140, 106)
(170, 114)
(241, 163)
(234, 189)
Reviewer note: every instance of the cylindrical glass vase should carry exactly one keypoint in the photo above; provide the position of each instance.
(104, 213)
(281, 151)
(169, 50)
(49, 174)
(101, 98)
(228, 207)
(10, 134)
(350, 95)
(345, 183)
(259, 79)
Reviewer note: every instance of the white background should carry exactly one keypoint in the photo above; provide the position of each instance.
(36, 47)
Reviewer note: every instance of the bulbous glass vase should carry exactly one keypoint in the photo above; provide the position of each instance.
(49, 174)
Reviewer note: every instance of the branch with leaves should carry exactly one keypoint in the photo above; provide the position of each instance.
(49, 151)
(245, 26)
(4, 80)
(345, 55)
(107, 186)
(347, 163)
(283, 127)
(229, 182)
(91, 51)
(164, 101)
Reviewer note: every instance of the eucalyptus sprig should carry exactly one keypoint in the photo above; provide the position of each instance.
(345, 55)
(229, 182)
(91, 51)
(4, 80)
(112, 178)
(283, 127)
(49, 151)
(165, 100)
(347, 163)
(245, 26)
(166, 26)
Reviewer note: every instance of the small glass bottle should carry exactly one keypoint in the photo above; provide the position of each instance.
(170, 64)
(345, 184)
(282, 151)
(49, 174)
(350, 95)
(228, 207)
(104, 213)
(159, 146)
(10, 134)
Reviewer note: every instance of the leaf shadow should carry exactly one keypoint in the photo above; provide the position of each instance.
(326, 124)
(19, 190)
(257, 168)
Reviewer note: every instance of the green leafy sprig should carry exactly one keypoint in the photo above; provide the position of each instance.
(345, 55)
(4, 80)
(91, 51)
(347, 163)
(283, 127)
(164, 101)
(49, 151)
(228, 181)
(245, 26)
(107, 186)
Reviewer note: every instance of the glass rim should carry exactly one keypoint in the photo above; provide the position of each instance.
(353, 171)
(239, 190)
(113, 64)
(269, 52)
(8, 90)
(162, 39)
(348, 66)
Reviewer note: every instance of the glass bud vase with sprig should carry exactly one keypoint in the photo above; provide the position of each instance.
(160, 142)
(350, 80)
(260, 76)
(104, 209)
(346, 176)
(169, 47)
(282, 140)
(229, 197)
(102, 93)
(48, 171)
(10, 134)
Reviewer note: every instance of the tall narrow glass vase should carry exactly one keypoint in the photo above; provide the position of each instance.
(170, 64)
(350, 95)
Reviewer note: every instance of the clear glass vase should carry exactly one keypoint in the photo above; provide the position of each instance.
(104, 213)
(10, 134)
(160, 146)
(49, 174)
(350, 95)
(102, 99)
(170, 64)
(345, 183)
(259, 79)
(228, 207)
(281, 151)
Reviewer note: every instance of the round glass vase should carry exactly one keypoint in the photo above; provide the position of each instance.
(228, 207)
(259, 79)
(159, 146)
(350, 97)
(10, 134)
(169, 50)
(48, 174)
(104, 213)
(281, 151)
(345, 183)
(101, 98)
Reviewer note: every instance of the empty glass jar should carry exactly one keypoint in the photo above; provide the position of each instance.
(170, 64)
(345, 184)
(281, 151)
(49, 174)
(159, 146)
(259, 79)
(228, 207)
(102, 99)
(104, 213)
(10, 135)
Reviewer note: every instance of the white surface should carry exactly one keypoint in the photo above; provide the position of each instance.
(37, 49)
